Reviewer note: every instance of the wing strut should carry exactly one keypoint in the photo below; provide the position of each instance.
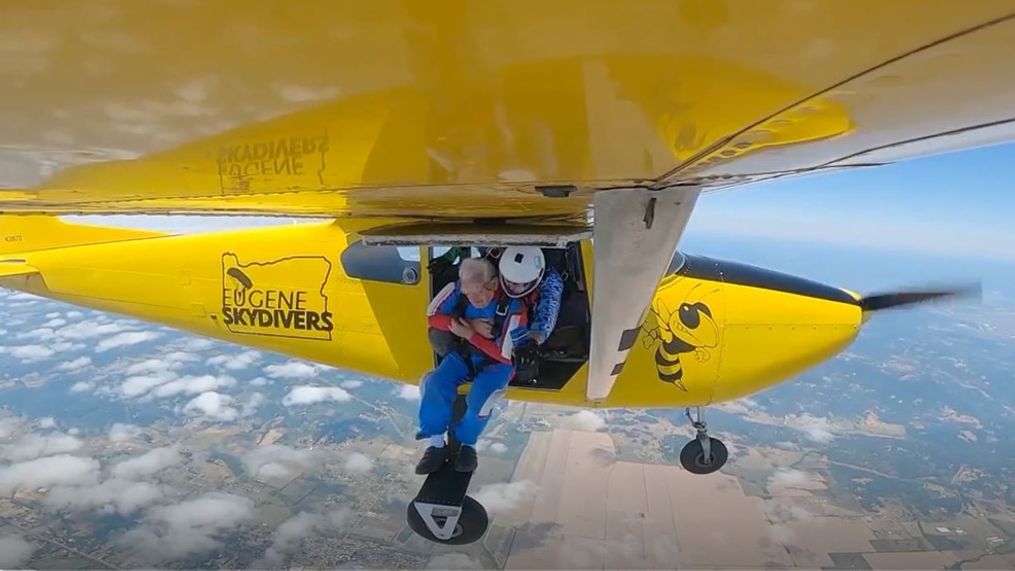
(635, 234)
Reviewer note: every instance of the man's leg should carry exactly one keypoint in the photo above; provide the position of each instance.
(437, 398)
(487, 389)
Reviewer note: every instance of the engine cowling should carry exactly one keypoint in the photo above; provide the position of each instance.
(721, 330)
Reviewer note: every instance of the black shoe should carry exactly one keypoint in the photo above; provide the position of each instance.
(432, 460)
(466, 461)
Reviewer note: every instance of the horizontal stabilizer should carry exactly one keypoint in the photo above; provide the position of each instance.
(20, 234)
(11, 268)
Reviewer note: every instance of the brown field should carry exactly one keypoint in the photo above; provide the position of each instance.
(589, 510)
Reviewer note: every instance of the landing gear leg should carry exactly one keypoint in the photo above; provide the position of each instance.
(441, 511)
(704, 454)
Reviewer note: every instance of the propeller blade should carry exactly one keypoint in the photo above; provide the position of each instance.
(892, 300)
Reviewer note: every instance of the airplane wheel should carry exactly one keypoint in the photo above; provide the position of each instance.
(471, 524)
(692, 457)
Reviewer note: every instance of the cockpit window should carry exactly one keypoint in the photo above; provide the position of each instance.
(676, 263)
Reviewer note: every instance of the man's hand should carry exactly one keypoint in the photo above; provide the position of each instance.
(483, 327)
(462, 328)
(525, 357)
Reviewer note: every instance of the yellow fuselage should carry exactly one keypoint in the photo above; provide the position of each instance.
(716, 331)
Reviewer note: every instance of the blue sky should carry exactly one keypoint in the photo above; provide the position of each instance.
(957, 204)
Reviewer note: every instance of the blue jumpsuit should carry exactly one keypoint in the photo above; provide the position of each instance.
(438, 389)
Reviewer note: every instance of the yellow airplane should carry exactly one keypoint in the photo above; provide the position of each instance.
(589, 128)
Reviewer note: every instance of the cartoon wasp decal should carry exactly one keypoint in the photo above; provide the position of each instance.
(690, 328)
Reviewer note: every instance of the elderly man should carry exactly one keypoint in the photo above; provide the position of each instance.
(481, 316)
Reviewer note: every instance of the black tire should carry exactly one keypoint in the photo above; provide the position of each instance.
(692, 457)
(471, 524)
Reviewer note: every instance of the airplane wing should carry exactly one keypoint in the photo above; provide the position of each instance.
(491, 109)
(534, 111)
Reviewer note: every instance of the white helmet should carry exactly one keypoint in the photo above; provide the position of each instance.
(521, 268)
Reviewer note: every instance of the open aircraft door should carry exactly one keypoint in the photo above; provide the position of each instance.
(567, 249)
(441, 510)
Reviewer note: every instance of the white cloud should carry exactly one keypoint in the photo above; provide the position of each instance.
(52, 315)
(180, 357)
(778, 513)
(82, 387)
(274, 471)
(148, 463)
(56, 322)
(22, 296)
(250, 405)
(494, 447)
(290, 534)
(585, 420)
(40, 334)
(291, 370)
(75, 365)
(66, 347)
(815, 428)
(192, 385)
(120, 432)
(137, 386)
(235, 362)
(35, 446)
(502, 497)
(90, 330)
(339, 517)
(151, 366)
(198, 344)
(278, 462)
(305, 394)
(15, 552)
(212, 406)
(47, 422)
(74, 315)
(782, 534)
(788, 477)
(74, 431)
(358, 463)
(288, 537)
(9, 425)
(169, 533)
(126, 339)
(408, 392)
(50, 471)
(258, 382)
(114, 495)
(31, 353)
(352, 384)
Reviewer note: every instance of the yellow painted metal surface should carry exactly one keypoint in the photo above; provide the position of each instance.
(750, 339)
(13, 268)
(34, 233)
(281, 289)
(286, 289)
(453, 108)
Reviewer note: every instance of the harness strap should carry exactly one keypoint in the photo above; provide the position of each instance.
(467, 350)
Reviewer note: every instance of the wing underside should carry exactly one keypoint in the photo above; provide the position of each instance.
(479, 110)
